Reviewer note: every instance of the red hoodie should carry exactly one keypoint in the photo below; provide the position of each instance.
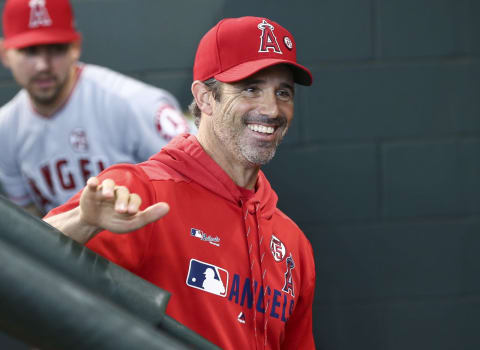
(240, 272)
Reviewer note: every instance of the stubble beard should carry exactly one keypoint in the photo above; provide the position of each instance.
(260, 154)
(250, 153)
(48, 97)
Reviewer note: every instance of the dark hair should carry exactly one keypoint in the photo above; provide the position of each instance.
(213, 85)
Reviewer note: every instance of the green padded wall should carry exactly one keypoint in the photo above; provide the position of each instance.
(381, 167)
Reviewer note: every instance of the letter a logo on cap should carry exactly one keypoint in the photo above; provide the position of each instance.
(267, 38)
(38, 14)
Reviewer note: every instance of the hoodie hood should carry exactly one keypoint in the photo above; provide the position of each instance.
(186, 156)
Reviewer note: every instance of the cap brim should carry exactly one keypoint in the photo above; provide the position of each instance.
(301, 74)
(41, 37)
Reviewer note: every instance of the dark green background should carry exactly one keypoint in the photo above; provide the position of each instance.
(381, 168)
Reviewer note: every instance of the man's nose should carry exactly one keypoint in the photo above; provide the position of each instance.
(270, 105)
(42, 61)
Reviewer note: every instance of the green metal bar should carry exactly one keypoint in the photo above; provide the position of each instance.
(46, 309)
(45, 243)
(49, 245)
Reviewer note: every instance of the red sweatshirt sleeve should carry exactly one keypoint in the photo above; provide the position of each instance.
(126, 249)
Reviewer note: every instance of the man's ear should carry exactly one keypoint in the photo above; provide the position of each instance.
(3, 54)
(203, 97)
(77, 49)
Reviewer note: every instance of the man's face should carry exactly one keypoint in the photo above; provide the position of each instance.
(253, 115)
(43, 70)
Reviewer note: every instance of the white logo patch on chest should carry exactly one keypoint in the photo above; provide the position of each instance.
(195, 232)
(78, 140)
(207, 277)
(277, 248)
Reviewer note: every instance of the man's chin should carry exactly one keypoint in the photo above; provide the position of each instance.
(44, 99)
(259, 158)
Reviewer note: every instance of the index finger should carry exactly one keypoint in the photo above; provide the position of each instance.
(92, 183)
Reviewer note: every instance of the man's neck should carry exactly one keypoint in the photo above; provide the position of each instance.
(52, 108)
(243, 173)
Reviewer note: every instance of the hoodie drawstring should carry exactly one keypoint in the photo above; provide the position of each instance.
(258, 271)
(266, 297)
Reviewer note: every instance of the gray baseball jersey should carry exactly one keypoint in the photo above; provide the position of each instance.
(109, 118)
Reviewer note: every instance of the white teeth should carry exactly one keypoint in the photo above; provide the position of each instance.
(261, 128)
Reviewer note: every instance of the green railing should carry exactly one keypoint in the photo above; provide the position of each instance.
(58, 294)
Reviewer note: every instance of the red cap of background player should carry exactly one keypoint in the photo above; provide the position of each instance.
(38, 22)
(239, 47)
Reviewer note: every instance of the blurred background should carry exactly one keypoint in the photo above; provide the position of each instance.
(381, 168)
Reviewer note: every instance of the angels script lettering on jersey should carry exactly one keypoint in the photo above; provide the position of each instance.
(62, 176)
(281, 306)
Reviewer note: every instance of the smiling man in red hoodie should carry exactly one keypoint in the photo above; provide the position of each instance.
(241, 273)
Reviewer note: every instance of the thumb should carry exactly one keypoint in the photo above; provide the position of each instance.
(155, 212)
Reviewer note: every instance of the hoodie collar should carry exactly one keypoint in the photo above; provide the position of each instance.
(186, 156)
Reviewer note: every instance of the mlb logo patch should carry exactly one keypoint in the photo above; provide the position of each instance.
(196, 232)
(207, 277)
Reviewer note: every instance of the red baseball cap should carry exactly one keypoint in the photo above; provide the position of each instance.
(38, 22)
(236, 48)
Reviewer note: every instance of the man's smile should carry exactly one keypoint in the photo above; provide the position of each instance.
(261, 128)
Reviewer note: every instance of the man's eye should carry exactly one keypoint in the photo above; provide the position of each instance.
(251, 89)
(53, 49)
(29, 51)
(58, 49)
(285, 94)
